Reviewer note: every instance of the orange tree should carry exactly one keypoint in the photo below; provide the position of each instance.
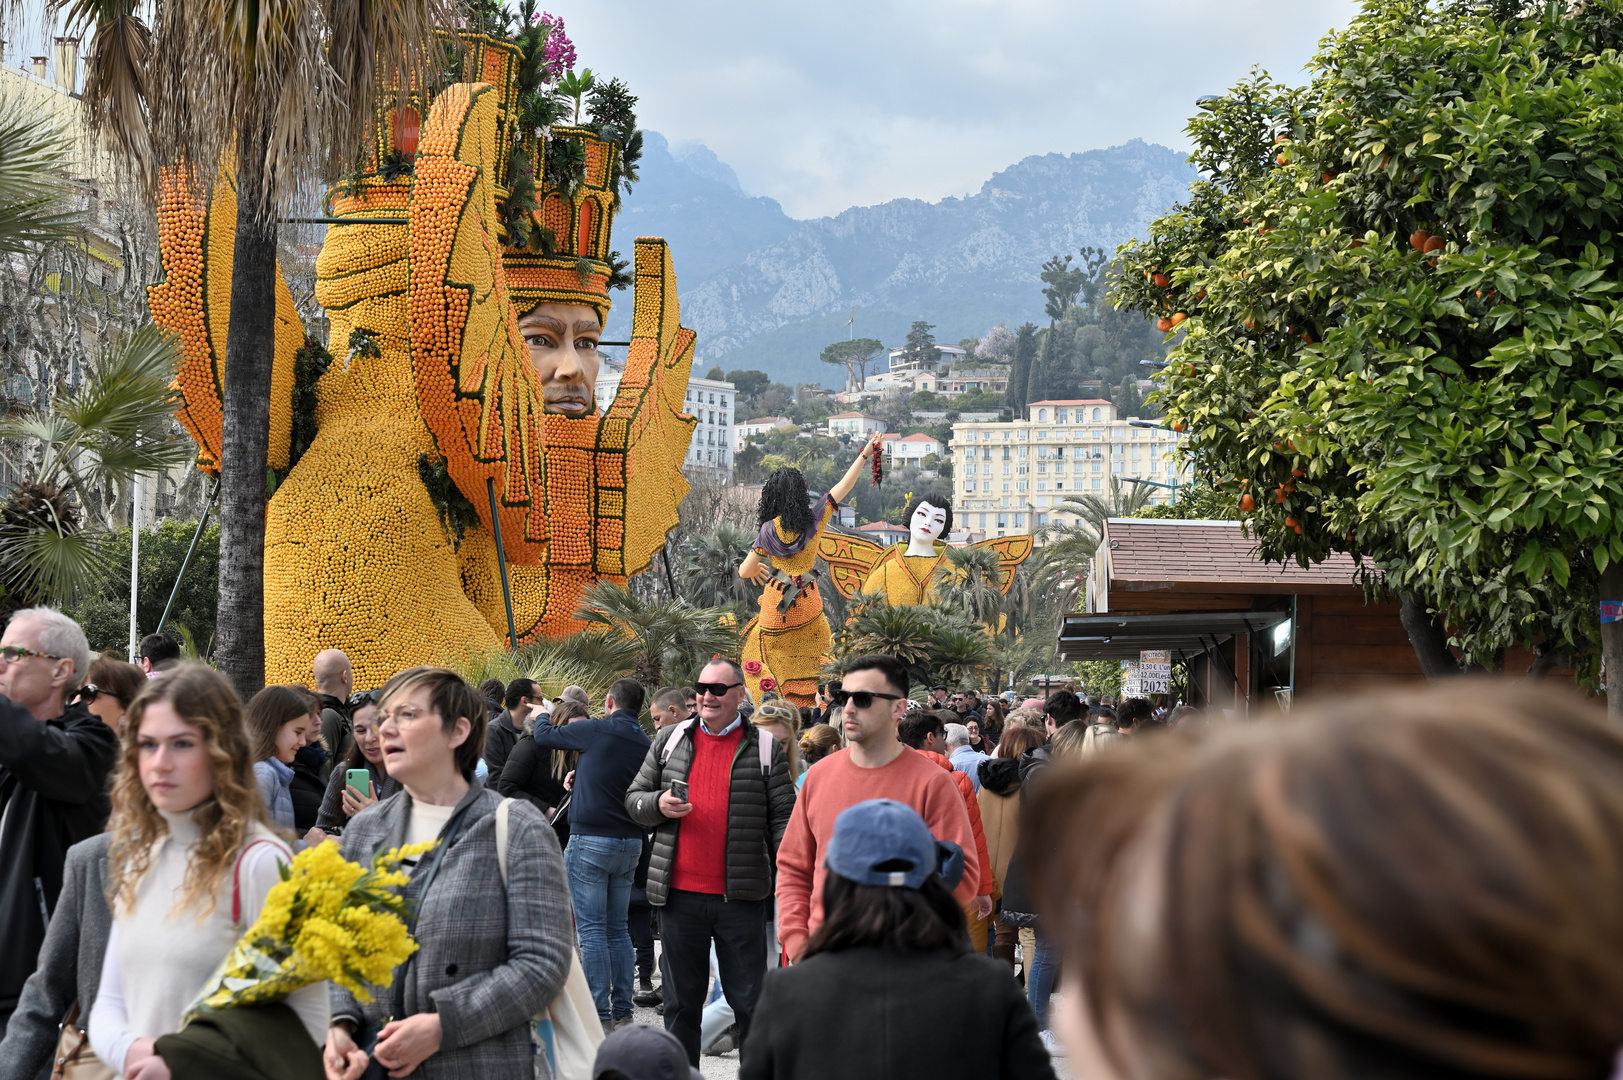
(1397, 295)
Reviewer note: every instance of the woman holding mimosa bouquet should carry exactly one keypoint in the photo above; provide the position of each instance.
(492, 952)
(193, 857)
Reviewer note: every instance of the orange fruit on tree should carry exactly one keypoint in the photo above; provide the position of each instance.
(1247, 503)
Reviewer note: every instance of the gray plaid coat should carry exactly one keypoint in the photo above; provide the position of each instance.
(488, 958)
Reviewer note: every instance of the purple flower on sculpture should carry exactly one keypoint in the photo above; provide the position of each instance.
(559, 51)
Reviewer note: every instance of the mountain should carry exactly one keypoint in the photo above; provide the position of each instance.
(694, 201)
(764, 291)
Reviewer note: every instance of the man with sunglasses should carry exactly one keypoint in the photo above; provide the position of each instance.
(54, 761)
(872, 700)
(711, 869)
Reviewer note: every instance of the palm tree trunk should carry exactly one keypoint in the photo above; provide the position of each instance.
(245, 441)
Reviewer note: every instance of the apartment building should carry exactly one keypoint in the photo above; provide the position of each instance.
(1009, 476)
(710, 454)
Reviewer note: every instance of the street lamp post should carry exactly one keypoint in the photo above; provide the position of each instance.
(1173, 487)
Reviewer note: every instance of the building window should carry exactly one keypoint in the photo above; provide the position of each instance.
(986, 485)
(1059, 417)
(1042, 416)
(1096, 485)
(983, 521)
(1019, 521)
(1098, 466)
(1003, 521)
(1042, 519)
(1021, 484)
(1115, 467)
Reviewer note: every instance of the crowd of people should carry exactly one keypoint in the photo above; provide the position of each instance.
(888, 884)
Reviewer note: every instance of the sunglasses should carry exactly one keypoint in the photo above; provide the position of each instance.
(89, 692)
(362, 697)
(714, 689)
(862, 698)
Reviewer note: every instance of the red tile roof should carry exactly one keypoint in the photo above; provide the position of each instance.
(1208, 556)
(1069, 401)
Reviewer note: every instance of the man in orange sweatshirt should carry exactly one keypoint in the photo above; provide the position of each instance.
(874, 765)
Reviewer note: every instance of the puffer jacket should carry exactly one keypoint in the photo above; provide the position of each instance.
(758, 809)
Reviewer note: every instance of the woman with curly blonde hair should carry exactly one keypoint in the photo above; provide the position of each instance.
(193, 855)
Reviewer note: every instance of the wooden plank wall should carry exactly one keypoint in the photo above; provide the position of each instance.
(1344, 644)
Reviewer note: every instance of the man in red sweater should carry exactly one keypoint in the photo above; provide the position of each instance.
(717, 792)
(874, 765)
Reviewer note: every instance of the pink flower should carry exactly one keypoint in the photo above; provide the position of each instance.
(752, 667)
(559, 51)
(769, 684)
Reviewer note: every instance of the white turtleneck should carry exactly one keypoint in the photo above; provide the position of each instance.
(159, 957)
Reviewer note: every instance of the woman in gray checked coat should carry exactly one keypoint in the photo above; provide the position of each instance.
(489, 957)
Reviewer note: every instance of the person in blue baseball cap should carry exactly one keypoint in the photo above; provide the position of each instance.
(891, 970)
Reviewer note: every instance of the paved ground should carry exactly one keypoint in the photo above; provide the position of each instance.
(725, 1066)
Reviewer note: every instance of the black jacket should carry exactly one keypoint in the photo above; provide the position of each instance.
(337, 732)
(893, 1016)
(528, 776)
(500, 738)
(308, 788)
(53, 794)
(758, 809)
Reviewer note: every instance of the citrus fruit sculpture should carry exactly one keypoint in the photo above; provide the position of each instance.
(388, 444)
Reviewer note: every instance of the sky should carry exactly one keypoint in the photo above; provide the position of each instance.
(855, 102)
(844, 103)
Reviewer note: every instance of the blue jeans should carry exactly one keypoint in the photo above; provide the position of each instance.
(1040, 978)
(600, 872)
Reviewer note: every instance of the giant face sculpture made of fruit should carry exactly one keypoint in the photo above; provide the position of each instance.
(387, 443)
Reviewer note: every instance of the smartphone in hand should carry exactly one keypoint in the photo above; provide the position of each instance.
(359, 782)
(679, 790)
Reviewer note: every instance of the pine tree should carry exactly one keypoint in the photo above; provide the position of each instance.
(1040, 386)
(1025, 351)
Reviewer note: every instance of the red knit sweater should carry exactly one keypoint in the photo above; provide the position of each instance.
(701, 840)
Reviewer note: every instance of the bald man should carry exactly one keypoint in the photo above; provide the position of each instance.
(335, 681)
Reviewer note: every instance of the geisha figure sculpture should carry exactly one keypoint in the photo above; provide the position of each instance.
(910, 573)
(785, 644)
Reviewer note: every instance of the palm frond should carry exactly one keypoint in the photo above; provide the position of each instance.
(55, 566)
(34, 147)
(124, 411)
(117, 78)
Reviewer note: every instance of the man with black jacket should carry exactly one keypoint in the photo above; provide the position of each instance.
(507, 727)
(604, 843)
(54, 762)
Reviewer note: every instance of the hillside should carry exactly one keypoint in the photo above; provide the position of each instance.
(764, 291)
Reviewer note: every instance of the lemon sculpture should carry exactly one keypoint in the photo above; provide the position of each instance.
(391, 444)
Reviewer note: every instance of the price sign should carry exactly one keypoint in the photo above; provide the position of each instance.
(1155, 671)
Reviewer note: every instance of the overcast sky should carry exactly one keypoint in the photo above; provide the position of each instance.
(852, 102)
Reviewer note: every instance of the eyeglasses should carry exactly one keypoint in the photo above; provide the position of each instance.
(714, 689)
(404, 716)
(89, 692)
(861, 698)
(11, 654)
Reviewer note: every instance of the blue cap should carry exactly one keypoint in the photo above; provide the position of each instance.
(888, 834)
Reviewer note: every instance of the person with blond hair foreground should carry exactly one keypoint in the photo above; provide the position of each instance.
(1425, 884)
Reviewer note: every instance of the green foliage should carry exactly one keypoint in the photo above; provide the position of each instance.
(709, 574)
(855, 356)
(310, 363)
(612, 104)
(1025, 353)
(576, 86)
(1102, 677)
(552, 664)
(457, 515)
(937, 644)
(105, 612)
(746, 383)
(1450, 416)
(920, 347)
(1195, 502)
(661, 633)
(34, 148)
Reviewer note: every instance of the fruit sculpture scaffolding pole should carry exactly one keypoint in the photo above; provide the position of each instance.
(380, 537)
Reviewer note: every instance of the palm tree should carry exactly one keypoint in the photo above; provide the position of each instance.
(76, 452)
(971, 578)
(286, 88)
(34, 147)
(1120, 500)
(958, 655)
(711, 577)
(660, 631)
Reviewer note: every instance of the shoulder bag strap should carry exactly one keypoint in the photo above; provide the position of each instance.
(501, 838)
(764, 740)
(679, 733)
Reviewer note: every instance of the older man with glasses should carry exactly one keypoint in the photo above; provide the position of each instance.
(718, 795)
(54, 761)
(874, 765)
